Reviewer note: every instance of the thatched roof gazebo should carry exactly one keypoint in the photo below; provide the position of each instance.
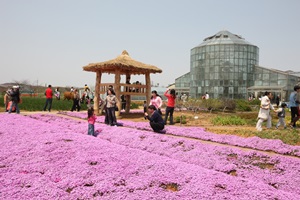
(122, 65)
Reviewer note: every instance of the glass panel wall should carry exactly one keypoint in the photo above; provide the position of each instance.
(223, 62)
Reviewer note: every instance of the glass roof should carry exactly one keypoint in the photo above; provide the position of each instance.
(224, 37)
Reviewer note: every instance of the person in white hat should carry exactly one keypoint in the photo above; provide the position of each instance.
(7, 99)
(15, 98)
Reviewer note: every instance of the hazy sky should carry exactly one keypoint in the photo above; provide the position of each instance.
(48, 42)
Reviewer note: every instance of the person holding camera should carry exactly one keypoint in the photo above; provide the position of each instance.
(156, 121)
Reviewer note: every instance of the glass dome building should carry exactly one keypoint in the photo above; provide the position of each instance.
(223, 66)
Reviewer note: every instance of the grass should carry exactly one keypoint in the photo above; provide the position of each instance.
(228, 120)
(242, 124)
(37, 104)
(288, 136)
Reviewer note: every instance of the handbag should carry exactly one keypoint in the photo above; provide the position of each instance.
(116, 108)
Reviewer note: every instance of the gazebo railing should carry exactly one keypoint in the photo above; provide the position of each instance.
(126, 89)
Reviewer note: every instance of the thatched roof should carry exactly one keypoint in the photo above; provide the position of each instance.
(124, 63)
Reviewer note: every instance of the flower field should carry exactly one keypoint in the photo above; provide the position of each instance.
(45, 156)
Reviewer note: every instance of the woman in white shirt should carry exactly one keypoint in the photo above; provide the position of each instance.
(264, 111)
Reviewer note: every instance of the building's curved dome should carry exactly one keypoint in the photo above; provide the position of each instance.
(224, 37)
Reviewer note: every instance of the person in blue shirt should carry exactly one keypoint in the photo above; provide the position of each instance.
(294, 106)
(156, 121)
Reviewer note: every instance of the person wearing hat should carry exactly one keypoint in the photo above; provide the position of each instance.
(7, 99)
(48, 94)
(15, 98)
(294, 106)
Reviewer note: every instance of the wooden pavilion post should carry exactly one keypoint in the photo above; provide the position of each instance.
(97, 92)
(117, 90)
(148, 89)
(128, 97)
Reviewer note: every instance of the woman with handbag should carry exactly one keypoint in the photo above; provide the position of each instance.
(111, 104)
(264, 111)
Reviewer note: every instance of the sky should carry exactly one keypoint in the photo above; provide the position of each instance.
(48, 42)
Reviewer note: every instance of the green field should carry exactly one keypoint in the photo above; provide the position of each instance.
(37, 104)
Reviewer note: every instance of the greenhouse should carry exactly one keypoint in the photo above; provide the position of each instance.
(225, 65)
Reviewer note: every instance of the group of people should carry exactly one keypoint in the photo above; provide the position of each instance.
(154, 114)
(12, 99)
(132, 89)
(110, 107)
(266, 106)
(75, 97)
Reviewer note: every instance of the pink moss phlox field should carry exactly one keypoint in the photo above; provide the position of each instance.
(274, 145)
(51, 157)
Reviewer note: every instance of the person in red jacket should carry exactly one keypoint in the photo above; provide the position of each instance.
(49, 95)
(170, 106)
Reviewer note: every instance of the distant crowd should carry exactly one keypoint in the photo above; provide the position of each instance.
(73, 94)
(153, 112)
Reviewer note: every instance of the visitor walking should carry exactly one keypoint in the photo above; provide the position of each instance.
(111, 103)
(105, 103)
(48, 94)
(264, 111)
(91, 121)
(57, 93)
(294, 106)
(156, 121)
(15, 98)
(170, 105)
(156, 101)
(7, 99)
(76, 101)
(281, 116)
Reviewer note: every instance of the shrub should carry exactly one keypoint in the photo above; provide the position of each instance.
(212, 104)
(243, 105)
(181, 118)
(134, 106)
(229, 104)
(228, 120)
(254, 102)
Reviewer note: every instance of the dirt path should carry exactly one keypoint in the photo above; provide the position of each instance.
(269, 153)
(203, 122)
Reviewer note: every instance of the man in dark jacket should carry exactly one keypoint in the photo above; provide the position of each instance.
(156, 121)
